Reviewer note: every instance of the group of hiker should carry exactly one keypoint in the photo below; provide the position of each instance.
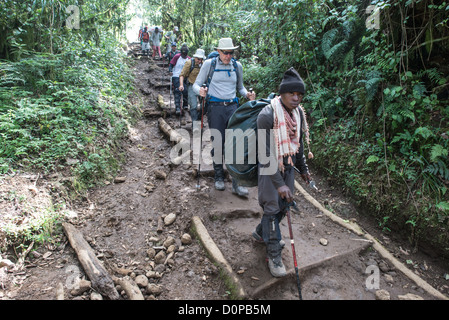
(218, 79)
(152, 37)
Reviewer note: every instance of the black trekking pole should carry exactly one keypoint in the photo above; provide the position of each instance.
(181, 107)
(292, 241)
(201, 141)
(171, 89)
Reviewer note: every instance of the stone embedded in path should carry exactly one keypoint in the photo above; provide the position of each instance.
(382, 295)
(410, 296)
(186, 239)
(81, 287)
(119, 179)
(160, 174)
(154, 289)
(141, 281)
(323, 242)
(151, 253)
(169, 241)
(160, 257)
(96, 296)
(169, 219)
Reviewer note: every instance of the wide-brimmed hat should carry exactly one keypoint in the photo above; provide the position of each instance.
(225, 44)
(199, 54)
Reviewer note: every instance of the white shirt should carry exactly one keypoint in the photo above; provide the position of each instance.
(179, 65)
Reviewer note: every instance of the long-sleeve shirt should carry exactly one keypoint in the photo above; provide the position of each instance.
(224, 83)
(191, 76)
(178, 63)
(265, 120)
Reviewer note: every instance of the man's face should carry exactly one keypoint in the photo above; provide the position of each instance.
(226, 55)
(198, 61)
(291, 100)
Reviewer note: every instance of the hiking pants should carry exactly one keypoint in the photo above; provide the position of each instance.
(218, 115)
(195, 114)
(178, 94)
(274, 210)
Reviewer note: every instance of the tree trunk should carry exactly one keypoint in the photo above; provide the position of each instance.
(100, 278)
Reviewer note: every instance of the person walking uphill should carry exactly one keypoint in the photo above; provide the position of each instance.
(223, 84)
(187, 78)
(177, 64)
(285, 124)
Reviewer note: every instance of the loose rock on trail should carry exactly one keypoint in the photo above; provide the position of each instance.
(144, 229)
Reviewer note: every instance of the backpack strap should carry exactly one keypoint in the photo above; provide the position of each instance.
(213, 66)
(192, 65)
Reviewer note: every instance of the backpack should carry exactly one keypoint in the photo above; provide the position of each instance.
(244, 118)
(146, 37)
(213, 66)
(213, 54)
(213, 69)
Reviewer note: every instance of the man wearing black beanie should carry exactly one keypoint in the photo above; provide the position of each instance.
(292, 82)
(284, 123)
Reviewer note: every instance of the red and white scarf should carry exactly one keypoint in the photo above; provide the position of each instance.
(287, 129)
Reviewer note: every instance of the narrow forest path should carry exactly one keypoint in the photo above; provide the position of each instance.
(126, 224)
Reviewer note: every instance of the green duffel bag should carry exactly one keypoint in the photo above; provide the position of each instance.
(241, 142)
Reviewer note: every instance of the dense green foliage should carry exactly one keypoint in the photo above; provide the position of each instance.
(63, 91)
(377, 97)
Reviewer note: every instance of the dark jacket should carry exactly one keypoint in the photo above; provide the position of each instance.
(265, 120)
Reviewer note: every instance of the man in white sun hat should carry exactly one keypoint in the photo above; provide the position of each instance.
(223, 76)
(187, 79)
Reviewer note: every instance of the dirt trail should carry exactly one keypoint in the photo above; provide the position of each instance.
(121, 221)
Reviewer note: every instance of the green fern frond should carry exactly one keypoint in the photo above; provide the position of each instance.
(373, 78)
(348, 61)
(406, 113)
(328, 41)
(434, 75)
(438, 168)
(336, 51)
(438, 151)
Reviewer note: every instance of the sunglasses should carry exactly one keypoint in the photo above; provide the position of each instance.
(227, 52)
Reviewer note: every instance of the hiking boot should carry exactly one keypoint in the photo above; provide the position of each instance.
(239, 190)
(259, 239)
(277, 268)
(257, 234)
(178, 111)
(219, 185)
